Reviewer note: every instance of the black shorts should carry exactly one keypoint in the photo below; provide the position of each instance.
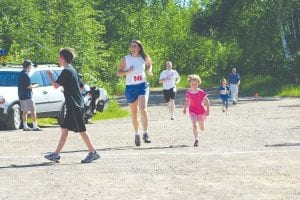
(74, 120)
(169, 94)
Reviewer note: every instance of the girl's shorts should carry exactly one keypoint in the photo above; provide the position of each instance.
(132, 92)
(197, 118)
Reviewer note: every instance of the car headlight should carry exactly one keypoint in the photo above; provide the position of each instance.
(2, 100)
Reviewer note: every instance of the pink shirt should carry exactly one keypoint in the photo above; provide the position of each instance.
(196, 103)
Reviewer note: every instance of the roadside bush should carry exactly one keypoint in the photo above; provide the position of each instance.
(262, 85)
(290, 91)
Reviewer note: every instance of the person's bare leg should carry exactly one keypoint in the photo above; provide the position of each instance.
(134, 120)
(201, 125)
(62, 140)
(24, 119)
(172, 108)
(87, 141)
(195, 132)
(142, 103)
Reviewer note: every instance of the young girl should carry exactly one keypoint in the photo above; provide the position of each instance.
(198, 103)
(224, 94)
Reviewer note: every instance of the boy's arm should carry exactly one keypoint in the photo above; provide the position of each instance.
(53, 82)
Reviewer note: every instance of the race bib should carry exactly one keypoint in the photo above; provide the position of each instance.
(223, 92)
(137, 78)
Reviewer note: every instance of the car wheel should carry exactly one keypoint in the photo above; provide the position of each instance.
(61, 116)
(14, 117)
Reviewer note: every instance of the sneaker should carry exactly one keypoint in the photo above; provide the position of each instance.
(137, 140)
(53, 157)
(90, 157)
(146, 138)
(172, 118)
(37, 129)
(196, 143)
(27, 129)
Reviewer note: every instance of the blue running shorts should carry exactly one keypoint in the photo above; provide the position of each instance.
(132, 92)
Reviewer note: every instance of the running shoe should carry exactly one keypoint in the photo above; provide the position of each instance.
(27, 129)
(196, 143)
(146, 138)
(137, 140)
(53, 157)
(90, 157)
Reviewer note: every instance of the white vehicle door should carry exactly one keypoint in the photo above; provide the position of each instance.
(40, 94)
(56, 97)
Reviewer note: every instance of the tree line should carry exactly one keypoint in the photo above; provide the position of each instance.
(208, 37)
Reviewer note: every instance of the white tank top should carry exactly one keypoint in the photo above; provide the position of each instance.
(138, 74)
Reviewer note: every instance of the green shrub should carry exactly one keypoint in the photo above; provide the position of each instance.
(262, 85)
(290, 91)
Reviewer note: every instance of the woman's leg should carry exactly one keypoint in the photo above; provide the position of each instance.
(134, 108)
(142, 103)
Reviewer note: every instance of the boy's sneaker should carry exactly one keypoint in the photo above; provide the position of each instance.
(146, 138)
(137, 140)
(53, 157)
(196, 143)
(91, 157)
(27, 129)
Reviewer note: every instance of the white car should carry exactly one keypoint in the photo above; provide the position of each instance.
(50, 102)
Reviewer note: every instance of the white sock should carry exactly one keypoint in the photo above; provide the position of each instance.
(34, 124)
(25, 125)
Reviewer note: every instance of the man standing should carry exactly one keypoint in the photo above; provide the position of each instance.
(25, 96)
(234, 82)
(70, 81)
(169, 78)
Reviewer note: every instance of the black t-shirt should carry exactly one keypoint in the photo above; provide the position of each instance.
(24, 81)
(71, 82)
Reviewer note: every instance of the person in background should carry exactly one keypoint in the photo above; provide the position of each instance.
(224, 94)
(70, 81)
(234, 83)
(25, 96)
(169, 78)
(134, 67)
(197, 101)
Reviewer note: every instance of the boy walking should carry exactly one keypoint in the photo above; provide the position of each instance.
(73, 120)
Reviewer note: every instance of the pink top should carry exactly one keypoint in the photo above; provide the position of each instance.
(196, 103)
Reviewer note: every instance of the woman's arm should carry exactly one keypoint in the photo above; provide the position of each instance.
(121, 68)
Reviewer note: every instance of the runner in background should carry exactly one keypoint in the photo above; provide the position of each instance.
(169, 78)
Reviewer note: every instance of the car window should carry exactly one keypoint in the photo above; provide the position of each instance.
(37, 78)
(45, 76)
(56, 74)
(9, 78)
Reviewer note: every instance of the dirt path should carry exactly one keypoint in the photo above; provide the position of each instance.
(252, 153)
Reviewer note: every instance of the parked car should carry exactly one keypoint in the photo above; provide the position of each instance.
(50, 102)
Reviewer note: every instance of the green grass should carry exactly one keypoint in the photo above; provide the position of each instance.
(112, 112)
(263, 85)
(291, 91)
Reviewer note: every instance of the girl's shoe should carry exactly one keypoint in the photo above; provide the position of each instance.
(196, 143)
